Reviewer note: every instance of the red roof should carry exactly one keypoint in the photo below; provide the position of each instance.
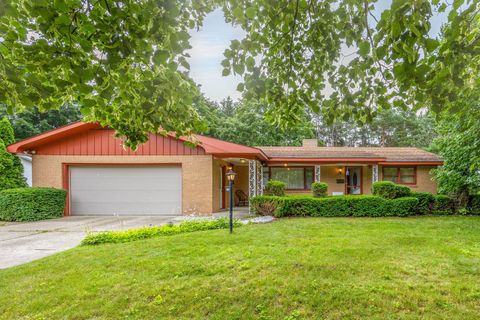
(210, 145)
(226, 149)
(383, 155)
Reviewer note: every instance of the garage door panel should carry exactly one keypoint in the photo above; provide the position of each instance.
(125, 190)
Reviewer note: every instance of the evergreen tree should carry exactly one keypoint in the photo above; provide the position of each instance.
(11, 169)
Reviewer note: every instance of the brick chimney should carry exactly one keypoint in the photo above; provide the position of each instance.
(310, 143)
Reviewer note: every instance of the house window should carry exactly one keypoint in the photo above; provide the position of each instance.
(401, 175)
(295, 178)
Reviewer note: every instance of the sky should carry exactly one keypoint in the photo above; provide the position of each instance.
(209, 43)
(208, 46)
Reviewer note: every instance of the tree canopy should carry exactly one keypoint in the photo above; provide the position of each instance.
(125, 62)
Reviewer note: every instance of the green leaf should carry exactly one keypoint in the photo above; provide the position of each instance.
(225, 72)
(160, 56)
(238, 13)
(239, 69)
(63, 19)
(399, 71)
(431, 44)
(240, 87)
(251, 12)
(364, 48)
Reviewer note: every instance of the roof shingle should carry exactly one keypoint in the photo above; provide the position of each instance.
(391, 154)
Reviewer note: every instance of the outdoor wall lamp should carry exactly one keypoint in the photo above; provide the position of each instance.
(230, 177)
(340, 170)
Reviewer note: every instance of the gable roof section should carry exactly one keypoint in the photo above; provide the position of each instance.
(74, 131)
(51, 136)
(381, 155)
(228, 149)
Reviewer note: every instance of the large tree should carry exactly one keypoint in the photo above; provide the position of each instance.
(124, 61)
(459, 145)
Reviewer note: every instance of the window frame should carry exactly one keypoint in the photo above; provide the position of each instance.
(398, 175)
(305, 187)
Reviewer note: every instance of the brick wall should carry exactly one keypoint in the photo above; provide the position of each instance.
(196, 174)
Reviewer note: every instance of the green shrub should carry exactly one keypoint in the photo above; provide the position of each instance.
(11, 169)
(265, 205)
(443, 205)
(400, 207)
(402, 191)
(319, 189)
(31, 204)
(390, 190)
(384, 189)
(474, 204)
(275, 188)
(338, 206)
(149, 232)
(425, 202)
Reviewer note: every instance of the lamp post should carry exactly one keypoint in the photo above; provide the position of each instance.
(230, 177)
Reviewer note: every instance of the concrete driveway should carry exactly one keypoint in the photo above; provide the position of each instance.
(21, 242)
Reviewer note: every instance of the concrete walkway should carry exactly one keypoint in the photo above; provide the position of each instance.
(27, 241)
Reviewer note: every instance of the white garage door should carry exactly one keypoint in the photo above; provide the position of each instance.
(125, 190)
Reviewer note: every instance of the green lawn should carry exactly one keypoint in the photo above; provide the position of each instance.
(383, 268)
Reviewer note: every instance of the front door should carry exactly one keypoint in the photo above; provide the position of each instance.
(222, 187)
(353, 180)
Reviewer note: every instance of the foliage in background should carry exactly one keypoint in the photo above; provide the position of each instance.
(150, 232)
(246, 123)
(32, 122)
(11, 169)
(389, 128)
(124, 62)
(31, 204)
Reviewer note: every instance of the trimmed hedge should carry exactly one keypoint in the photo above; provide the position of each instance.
(319, 189)
(339, 206)
(150, 232)
(390, 190)
(31, 204)
(474, 204)
(274, 188)
(425, 202)
(443, 205)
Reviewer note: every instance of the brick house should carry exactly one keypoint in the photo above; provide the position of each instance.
(166, 177)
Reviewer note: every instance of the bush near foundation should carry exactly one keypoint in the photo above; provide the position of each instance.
(443, 205)
(275, 188)
(319, 189)
(425, 202)
(339, 206)
(390, 190)
(31, 204)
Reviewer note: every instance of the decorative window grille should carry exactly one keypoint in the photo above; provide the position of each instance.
(317, 173)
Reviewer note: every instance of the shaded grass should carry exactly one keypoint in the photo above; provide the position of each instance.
(384, 268)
